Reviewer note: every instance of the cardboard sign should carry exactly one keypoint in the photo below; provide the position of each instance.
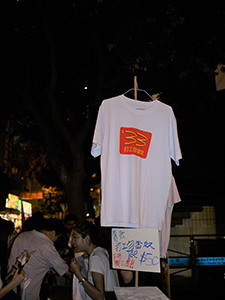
(136, 249)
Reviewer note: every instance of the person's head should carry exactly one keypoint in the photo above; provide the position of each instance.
(38, 220)
(86, 234)
(69, 222)
(35, 222)
(53, 228)
(6, 230)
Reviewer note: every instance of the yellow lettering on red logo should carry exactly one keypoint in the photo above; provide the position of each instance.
(132, 139)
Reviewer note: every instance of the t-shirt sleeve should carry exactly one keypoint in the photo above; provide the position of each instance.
(96, 149)
(175, 152)
(55, 261)
(97, 265)
(173, 198)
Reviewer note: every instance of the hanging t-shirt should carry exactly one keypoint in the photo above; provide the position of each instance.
(173, 198)
(136, 141)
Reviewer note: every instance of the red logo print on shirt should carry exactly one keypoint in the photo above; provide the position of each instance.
(134, 141)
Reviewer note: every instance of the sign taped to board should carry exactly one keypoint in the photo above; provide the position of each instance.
(136, 249)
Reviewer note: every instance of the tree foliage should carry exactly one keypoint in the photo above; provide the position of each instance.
(50, 204)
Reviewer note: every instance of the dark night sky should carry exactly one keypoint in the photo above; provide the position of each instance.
(179, 45)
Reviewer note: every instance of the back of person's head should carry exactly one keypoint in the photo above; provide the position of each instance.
(28, 225)
(38, 220)
(95, 233)
(34, 222)
(53, 224)
(6, 230)
(70, 217)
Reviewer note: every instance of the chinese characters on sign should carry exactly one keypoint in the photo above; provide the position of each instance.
(136, 249)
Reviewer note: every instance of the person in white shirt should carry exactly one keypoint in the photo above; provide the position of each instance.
(44, 257)
(100, 278)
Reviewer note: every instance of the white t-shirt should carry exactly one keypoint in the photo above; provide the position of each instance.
(99, 263)
(136, 141)
(173, 198)
(79, 292)
(44, 258)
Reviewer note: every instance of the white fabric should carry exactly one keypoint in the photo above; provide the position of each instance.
(136, 177)
(44, 258)
(78, 290)
(99, 263)
(173, 198)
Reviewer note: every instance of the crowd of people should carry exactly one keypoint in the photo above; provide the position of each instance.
(53, 247)
(47, 249)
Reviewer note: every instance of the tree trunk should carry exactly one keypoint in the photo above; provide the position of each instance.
(73, 185)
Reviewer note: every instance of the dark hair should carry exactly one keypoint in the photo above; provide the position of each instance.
(38, 220)
(88, 228)
(70, 217)
(35, 222)
(53, 224)
(6, 230)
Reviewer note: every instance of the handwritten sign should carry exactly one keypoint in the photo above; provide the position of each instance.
(136, 249)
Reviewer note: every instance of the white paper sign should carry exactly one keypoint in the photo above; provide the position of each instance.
(136, 249)
(139, 293)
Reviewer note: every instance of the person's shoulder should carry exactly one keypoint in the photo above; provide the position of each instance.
(98, 249)
(22, 235)
(37, 238)
(36, 235)
(101, 252)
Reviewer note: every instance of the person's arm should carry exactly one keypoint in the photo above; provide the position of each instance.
(96, 291)
(17, 279)
(68, 274)
(126, 275)
(56, 262)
